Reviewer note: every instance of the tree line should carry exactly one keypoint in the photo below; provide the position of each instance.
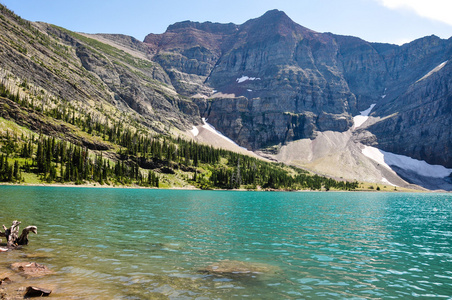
(55, 160)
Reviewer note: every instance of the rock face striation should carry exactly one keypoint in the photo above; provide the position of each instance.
(270, 81)
(108, 73)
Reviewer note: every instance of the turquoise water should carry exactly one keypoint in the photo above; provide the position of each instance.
(151, 244)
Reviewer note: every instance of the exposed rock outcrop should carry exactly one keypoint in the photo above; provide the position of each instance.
(420, 119)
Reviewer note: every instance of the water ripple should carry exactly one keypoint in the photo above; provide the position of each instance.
(322, 245)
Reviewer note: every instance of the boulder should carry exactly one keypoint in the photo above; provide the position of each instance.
(36, 292)
(236, 268)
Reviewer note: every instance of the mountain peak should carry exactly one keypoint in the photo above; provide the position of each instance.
(273, 21)
(274, 16)
(275, 13)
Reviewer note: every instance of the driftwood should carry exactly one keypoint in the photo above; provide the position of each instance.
(23, 238)
(12, 235)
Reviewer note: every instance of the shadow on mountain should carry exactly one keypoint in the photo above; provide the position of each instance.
(431, 183)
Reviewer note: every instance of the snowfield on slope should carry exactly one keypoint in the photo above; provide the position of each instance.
(195, 131)
(207, 134)
(219, 134)
(360, 119)
(407, 163)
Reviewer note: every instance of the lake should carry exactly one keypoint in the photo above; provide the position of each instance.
(152, 244)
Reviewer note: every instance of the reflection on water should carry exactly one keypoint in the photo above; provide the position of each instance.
(141, 244)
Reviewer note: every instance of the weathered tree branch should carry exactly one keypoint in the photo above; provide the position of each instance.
(23, 238)
(11, 234)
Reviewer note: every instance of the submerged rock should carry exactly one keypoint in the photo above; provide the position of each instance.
(237, 268)
(5, 280)
(38, 255)
(31, 269)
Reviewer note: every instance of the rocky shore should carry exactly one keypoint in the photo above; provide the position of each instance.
(18, 281)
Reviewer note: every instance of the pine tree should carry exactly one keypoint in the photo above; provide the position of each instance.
(16, 171)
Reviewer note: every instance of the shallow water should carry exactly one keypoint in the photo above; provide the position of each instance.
(151, 244)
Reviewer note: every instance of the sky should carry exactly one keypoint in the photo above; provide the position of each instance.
(388, 21)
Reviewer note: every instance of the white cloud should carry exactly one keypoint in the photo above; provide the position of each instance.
(439, 10)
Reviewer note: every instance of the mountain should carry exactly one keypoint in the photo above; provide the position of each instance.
(271, 82)
(289, 82)
(269, 85)
(96, 109)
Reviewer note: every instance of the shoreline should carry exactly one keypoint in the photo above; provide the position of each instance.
(71, 185)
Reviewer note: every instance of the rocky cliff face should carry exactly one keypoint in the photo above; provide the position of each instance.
(419, 123)
(266, 81)
(270, 81)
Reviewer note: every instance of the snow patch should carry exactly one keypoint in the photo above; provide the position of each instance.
(436, 69)
(367, 111)
(375, 154)
(195, 131)
(387, 182)
(245, 78)
(407, 163)
(359, 120)
(213, 130)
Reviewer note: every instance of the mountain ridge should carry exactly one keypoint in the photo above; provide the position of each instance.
(362, 72)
